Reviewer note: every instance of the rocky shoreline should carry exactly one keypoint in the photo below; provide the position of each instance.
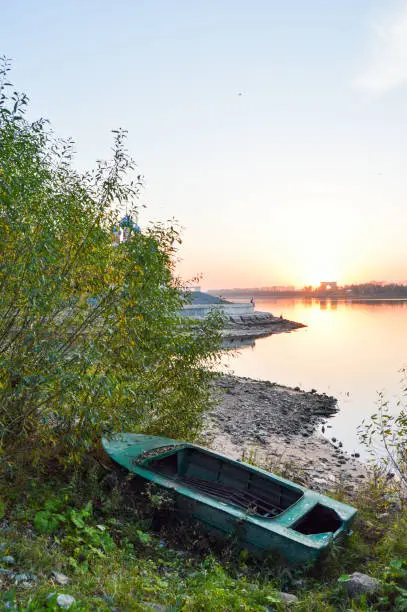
(276, 426)
(257, 325)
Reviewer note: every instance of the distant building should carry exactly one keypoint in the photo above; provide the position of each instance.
(201, 304)
(198, 297)
(328, 285)
(125, 228)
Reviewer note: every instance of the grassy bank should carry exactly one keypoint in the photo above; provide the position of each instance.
(124, 547)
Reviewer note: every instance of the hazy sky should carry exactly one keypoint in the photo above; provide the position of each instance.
(275, 132)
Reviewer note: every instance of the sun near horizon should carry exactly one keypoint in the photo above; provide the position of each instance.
(276, 136)
(225, 274)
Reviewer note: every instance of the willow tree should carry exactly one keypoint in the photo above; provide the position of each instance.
(91, 339)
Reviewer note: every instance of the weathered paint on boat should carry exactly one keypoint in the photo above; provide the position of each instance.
(273, 514)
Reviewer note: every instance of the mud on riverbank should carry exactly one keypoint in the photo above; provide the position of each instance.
(277, 425)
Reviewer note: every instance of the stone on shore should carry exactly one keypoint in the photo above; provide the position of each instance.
(287, 598)
(59, 578)
(360, 584)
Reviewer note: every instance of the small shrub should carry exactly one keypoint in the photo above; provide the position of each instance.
(389, 426)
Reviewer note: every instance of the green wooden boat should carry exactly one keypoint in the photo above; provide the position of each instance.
(273, 514)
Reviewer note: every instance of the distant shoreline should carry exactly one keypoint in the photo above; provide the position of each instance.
(320, 297)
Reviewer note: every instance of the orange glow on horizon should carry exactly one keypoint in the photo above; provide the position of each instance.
(296, 272)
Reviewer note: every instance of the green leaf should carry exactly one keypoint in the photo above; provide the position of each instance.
(396, 564)
(344, 578)
(273, 599)
(145, 538)
(77, 520)
(45, 522)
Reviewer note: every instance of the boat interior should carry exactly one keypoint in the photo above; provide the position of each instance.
(235, 484)
(240, 486)
(318, 520)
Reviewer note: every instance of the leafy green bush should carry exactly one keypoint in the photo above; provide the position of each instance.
(91, 339)
(394, 596)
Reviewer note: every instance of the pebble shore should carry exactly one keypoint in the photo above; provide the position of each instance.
(277, 426)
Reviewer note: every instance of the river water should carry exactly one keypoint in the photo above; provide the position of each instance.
(349, 350)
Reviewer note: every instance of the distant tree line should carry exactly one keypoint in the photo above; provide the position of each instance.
(372, 290)
(363, 290)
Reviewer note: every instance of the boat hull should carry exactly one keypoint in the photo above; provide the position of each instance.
(265, 513)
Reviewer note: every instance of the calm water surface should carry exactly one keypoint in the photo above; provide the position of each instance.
(349, 350)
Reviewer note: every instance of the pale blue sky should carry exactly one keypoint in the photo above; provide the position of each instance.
(299, 179)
